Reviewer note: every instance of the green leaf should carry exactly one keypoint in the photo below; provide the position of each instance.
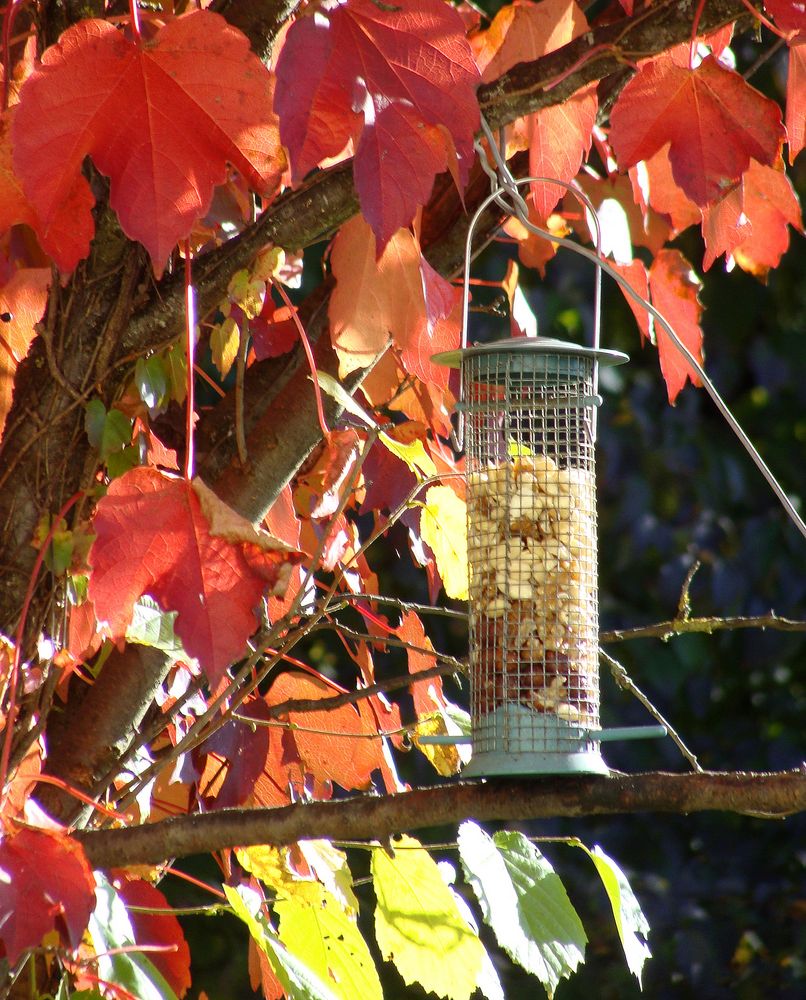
(443, 526)
(151, 626)
(336, 391)
(110, 432)
(315, 928)
(525, 903)
(151, 380)
(177, 370)
(418, 925)
(298, 981)
(111, 929)
(632, 925)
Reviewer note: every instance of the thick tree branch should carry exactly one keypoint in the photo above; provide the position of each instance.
(768, 796)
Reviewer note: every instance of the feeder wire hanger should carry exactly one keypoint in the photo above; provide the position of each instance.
(505, 186)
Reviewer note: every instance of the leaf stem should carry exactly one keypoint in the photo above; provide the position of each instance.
(135, 21)
(303, 336)
(190, 342)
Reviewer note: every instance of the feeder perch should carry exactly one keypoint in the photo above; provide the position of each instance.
(529, 408)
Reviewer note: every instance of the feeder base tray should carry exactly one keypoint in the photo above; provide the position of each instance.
(514, 740)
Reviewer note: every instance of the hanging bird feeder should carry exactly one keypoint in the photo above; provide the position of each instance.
(529, 411)
(528, 416)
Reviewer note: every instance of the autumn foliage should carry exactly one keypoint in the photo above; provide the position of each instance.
(151, 164)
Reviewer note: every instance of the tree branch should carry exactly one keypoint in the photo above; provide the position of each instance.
(687, 626)
(767, 796)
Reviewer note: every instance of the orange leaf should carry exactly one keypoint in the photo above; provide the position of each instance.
(397, 295)
(674, 288)
(796, 97)
(161, 120)
(22, 302)
(176, 542)
(636, 276)
(714, 121)
(751, 222)
(339, 751)
(558, 137)
(521, 32)
(428, 695)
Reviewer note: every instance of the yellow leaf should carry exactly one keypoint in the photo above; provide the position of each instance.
(413, 454)
(330, 867)
(246, 292)
(269, 864)
(444, 757)
(224, 341)
(268, 263)
(419, 926)
(315, 928)
(443, 526)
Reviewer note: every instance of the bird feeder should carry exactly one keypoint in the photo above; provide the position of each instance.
(529, 408)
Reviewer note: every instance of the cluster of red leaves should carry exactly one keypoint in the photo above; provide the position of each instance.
(183, 122)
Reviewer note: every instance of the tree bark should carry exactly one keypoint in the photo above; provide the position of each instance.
(764, 796)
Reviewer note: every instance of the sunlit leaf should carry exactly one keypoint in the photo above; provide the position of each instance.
(525, 903)
(298, 981)
(632, 925)
(418, 925)
(315, 928)
(443, 526)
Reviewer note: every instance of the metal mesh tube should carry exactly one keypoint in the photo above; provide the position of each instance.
(532, 552)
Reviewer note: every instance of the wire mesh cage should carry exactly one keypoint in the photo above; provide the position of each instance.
(530, 415)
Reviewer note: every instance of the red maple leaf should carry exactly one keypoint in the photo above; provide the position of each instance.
(399, 80)
(333, 745)
(557, 137)
(172, 540)
(789, 14)
(796, 97)
(161, 929)
(674, 288)
(273, 331)
(714, 121)
(751, 223)
(160, 119)
(69, 230)
(654, 187)
(45, 884)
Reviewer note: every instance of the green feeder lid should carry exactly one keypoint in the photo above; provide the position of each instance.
(529, 347)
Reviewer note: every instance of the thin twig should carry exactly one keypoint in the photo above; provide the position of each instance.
(626, 683)
(669, 629)
(240, 374)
